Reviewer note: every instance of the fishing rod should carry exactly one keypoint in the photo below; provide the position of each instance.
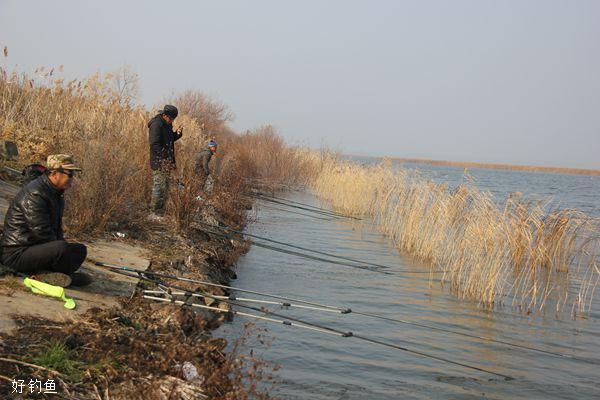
(301, 206)
(242, 314)
(328, 213)
(323, 329)
(311, 257)
(323, 218)
(292, 202)
(378, 266)
(323, 213)
(141, 273)
(248, 300)
(308, 256)
(341, 310)
(306, 249)
(259, 194)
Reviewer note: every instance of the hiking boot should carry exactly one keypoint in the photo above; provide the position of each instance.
(53, 278)
(81, 279)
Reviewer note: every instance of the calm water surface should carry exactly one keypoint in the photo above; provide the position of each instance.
(318, 366)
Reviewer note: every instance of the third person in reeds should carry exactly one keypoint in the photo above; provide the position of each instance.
(202, 168)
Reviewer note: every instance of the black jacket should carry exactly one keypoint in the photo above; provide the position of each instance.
(35, 215)
(202, 162)
(162, 143)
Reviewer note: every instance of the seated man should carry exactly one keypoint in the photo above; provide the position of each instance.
(33, 241)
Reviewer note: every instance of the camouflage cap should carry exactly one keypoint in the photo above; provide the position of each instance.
(62, 161)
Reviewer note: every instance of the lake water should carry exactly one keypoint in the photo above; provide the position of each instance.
(321, 366)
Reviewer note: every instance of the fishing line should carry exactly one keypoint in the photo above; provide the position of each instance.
(292, 203)
(320, 328)
(242, 314)
(298, 203)
(359, 262)
(401, 321)
(328, 213)
(319, 306)
(248, 300)
(141, 272)
(325, 213)
(308, 256)
(311, 257)
(307, 207)
(270, 207)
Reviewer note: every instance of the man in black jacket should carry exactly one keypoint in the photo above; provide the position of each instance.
(162, 154)
(33, 239)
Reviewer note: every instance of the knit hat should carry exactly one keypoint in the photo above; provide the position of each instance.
(62, 162)
(212, 143)
(170, 111)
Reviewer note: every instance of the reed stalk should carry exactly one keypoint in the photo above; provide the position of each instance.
(513, 252)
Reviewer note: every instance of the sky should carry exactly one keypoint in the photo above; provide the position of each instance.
(492, 81)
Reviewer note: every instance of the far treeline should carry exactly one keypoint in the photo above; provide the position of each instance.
(466, 164)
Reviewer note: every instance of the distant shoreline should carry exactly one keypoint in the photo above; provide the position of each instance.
(466, 164)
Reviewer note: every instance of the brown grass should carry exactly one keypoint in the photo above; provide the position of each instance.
(515, 253)
(94, 120)
(267, 159)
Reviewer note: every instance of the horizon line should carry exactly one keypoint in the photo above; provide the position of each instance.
(484, 165)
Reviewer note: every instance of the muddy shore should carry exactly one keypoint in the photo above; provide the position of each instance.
(134, 348)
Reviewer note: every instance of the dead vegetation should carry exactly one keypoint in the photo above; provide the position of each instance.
(137, 351)
(514, 252)
(129, 353)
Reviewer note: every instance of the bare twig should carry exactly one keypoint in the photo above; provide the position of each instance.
(12, 361)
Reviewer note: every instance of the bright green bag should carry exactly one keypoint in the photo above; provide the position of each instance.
(45, 289)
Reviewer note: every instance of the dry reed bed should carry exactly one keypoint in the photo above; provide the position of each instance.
(95, 121)
(516, 253)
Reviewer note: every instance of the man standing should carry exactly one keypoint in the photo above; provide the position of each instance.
(162, 155)
(202, 161)
(33, 240)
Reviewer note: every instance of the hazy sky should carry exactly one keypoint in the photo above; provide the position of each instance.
(499, 81)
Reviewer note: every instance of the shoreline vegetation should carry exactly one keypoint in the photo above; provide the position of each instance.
(137, 350)
(517, 253)
(501, 166)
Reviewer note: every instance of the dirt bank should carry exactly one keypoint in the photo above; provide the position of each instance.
(118, 345)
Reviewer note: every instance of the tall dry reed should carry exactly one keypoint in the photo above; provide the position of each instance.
(94, 119)
(89, 119)
(267, 159)
(516, 252)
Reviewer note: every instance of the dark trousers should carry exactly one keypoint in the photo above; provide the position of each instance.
(58, 256)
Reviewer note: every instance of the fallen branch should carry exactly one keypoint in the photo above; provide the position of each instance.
(10, 360)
